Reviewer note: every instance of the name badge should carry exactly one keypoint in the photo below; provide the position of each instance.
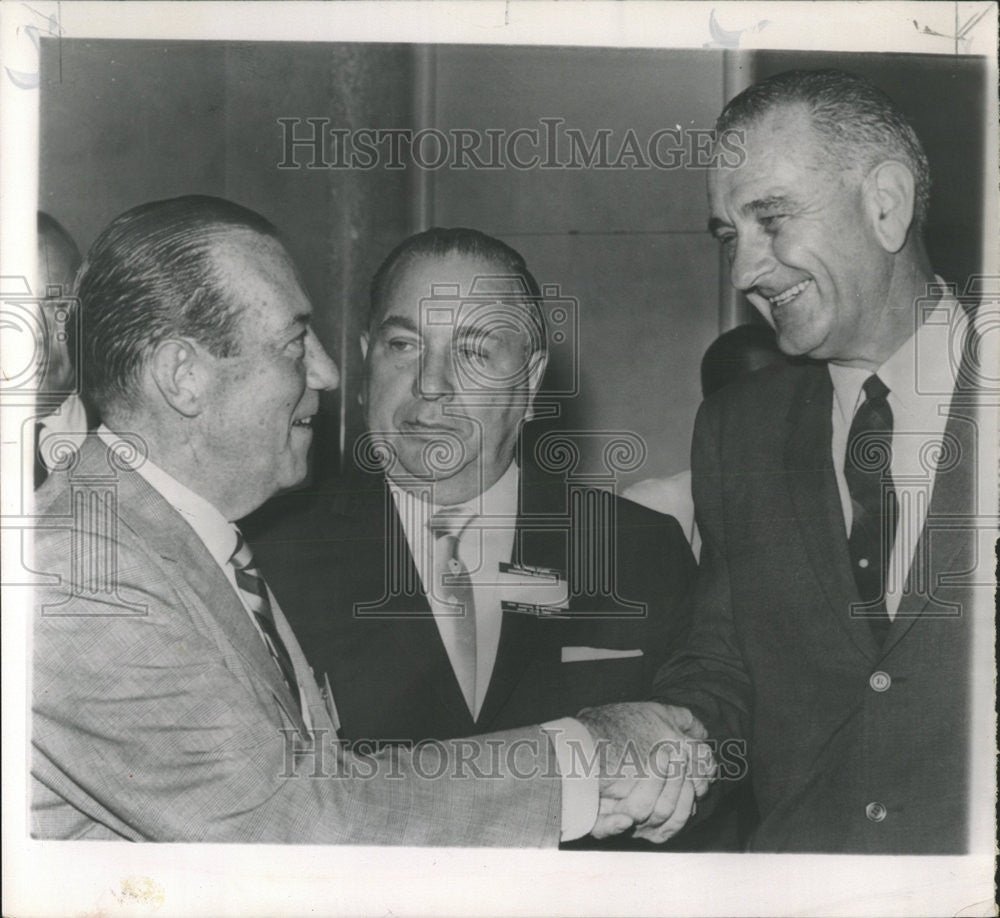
(538, 591)
(527, 608)
(527, 570)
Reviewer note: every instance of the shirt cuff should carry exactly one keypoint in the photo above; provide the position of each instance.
(574, 748)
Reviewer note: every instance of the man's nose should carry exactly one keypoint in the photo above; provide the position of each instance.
(435, 377)
(752, 260)
(321, 371)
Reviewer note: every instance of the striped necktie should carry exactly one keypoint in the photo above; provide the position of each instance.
(253, 592)
(453, 587)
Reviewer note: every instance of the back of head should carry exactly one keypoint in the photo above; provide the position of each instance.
(736, 353)
(442, 242)
(151, 276)
(858, 124)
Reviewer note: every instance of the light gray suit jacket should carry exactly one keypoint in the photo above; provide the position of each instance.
(159, 714)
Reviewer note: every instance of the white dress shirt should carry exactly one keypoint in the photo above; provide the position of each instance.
(68, 422)
(487, 541)
(921, 378)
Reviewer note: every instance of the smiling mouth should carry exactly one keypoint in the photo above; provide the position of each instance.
(426, 430)
(306, 422)
(786, 296)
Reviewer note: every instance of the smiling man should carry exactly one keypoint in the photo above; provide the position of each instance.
(833, 607)
(447, 586)
(171, 700)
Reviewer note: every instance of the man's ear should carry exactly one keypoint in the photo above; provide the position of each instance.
(889, 192)
(176, 371)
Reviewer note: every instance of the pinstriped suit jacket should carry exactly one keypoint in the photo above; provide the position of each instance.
(158, 713)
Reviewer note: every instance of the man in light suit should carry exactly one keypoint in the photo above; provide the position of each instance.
(334, 554)
(171, 699)
(836, 499)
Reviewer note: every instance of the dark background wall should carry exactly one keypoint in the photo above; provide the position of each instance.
(123, 122)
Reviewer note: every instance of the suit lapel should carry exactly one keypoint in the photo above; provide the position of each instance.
(945, 548)
(521, 635)
(147, 513)
(419, 647)
(812, 486)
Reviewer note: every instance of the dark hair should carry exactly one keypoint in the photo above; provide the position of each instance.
(859, 124)
(150, 276)
(459, 240)
(735, 353)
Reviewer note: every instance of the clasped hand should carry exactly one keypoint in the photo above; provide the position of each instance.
(655, 765)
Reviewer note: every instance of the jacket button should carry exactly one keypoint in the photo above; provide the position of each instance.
(880, 681)
(876, 812)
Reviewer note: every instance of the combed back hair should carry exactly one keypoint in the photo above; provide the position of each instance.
(860, 126)
(151, 276)
(440, 242)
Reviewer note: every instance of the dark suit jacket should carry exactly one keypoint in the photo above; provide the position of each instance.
(326, 551)
(776, 659)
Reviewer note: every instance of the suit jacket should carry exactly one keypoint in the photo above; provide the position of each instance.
(160, 715)
(852, 747)
(338, 560)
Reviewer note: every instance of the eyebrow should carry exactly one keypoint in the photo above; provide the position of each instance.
(400, 322)
(768, 203)
(297, 322)
(755, 207)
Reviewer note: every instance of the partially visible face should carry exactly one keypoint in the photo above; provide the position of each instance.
(58, 260)
(799, 242)
(257, 426)
(449, 380)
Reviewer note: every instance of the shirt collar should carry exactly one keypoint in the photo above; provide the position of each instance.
(499, 500)
(218, 534)
(899, 372)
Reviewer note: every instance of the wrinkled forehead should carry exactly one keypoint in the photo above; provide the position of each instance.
(780, 147)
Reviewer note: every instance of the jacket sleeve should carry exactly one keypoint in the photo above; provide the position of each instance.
(145, 730)
(709, 675)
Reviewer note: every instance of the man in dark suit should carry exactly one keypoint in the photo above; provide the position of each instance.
(171, 700)
(576, 596)
(836, 499)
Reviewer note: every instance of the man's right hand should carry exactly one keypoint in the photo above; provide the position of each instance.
(655, 766)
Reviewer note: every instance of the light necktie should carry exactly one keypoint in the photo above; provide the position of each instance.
(253, 590)
(453, 587)
(867, 469)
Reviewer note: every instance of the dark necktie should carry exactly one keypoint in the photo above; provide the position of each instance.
(867, 469)
(453, 586)
(254, 593)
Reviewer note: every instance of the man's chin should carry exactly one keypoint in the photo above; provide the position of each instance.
(428, 458)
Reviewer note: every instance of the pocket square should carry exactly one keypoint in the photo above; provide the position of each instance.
(579, 654)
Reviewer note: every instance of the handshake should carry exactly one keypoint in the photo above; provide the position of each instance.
(655, 766)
